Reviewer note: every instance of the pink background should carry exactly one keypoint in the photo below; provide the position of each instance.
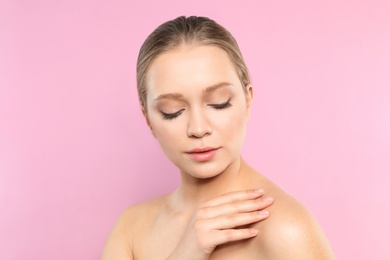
(75, 150)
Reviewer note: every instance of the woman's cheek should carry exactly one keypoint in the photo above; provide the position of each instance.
(232, 120)
(164, 131)
(169, 134)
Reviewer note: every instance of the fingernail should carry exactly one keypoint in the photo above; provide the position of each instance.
(254, 231)
(263, 213)
(268, 199)
(259, 191)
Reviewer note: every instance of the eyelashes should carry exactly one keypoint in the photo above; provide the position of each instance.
(227, 104)
(171, 116)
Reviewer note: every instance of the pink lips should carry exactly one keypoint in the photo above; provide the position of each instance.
(202, 154)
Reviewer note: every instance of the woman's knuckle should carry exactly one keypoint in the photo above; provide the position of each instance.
(198, 225)
(234, 205)
(203, 212)
(229, 234)
(232, 196)
(259, 203)
(231, 218)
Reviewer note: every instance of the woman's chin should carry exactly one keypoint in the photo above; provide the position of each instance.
(204, 171)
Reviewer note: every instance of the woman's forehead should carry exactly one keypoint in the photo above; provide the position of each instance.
(193, 67)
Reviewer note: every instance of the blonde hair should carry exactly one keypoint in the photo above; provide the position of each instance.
(181, 31)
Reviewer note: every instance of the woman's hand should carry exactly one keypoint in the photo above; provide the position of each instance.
(220, 220)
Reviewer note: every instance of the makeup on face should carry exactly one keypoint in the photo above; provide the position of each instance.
(217, 96)
(196, 109)
(203, 154)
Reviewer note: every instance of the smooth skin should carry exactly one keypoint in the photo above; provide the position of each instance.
(195, 100)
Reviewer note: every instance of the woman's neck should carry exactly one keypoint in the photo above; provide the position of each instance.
(193, 191)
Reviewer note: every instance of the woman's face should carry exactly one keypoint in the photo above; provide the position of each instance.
(197, 109)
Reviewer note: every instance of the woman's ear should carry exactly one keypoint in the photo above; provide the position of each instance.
(248, 98)
(145, 113)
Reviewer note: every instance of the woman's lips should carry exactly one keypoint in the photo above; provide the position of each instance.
(202, 154)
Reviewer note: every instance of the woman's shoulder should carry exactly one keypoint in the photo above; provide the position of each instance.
(142, 210)
(131, 223)
(291, 232)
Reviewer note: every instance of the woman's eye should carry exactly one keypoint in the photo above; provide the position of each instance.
(171, 116)
(221, 106)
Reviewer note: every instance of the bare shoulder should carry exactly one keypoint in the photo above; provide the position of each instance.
(291, 232)
(130, 223)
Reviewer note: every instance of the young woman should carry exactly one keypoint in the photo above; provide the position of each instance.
(196, 95)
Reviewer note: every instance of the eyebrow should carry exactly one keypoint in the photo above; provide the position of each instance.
(207, 90)
(169, 96)
(217, 86)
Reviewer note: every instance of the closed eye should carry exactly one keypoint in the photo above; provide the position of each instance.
(227, 104)
(170, 116)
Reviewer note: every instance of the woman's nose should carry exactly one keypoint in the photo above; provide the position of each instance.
(198, 125)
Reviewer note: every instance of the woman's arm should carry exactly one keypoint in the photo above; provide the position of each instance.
(118, 246)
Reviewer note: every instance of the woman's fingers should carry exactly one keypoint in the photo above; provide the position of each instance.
(229, 235)
(231, 221)
(234, 207)
(237, 220)
(221, 220)
(234, 196)
(223, 229)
